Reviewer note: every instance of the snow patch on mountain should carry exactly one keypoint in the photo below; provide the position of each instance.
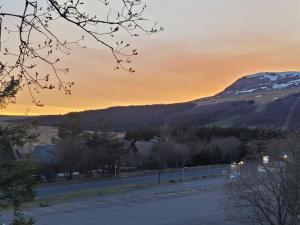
(274, 76)
(264, 81)
(247, 91)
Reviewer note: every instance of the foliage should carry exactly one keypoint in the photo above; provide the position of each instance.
(208, 145)
(105, 151)
(71, 126)
(22, 221)
(96, 149)
(195, 133)
(48, 170)
(70, 145)
(14, 135)
(71, 155)
(140, 134)
(17, 183)
(100, 150)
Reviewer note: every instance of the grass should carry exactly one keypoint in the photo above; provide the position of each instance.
(57, 199)
(76, 180)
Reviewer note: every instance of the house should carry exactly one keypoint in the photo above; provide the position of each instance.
(137, 152)
(45, 153)
(144, 147)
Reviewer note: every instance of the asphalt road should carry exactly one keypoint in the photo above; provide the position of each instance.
(200, 202)
(62, 189)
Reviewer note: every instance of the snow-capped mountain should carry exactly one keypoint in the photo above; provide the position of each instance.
(265, 81)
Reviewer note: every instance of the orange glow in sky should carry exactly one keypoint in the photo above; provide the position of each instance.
(206, 46)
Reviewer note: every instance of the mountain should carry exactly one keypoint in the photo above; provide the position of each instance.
(269, 99)
(263, 82)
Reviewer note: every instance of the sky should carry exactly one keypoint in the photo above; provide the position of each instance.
(206, 45)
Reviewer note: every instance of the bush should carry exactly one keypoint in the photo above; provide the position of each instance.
(44, 204)
(23, 221)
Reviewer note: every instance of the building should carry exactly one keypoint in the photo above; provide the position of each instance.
(45, 153)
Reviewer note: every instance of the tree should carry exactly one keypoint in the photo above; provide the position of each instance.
(17, 181)
(105, 151)
(71, 126)
(141, 134)
(70, 147)
(160, 153)
(180, 155)
(71, 152)
(37, 42)
(269, 189)
(14, 135)
(48, 170)
(225, 150)
(17, 185)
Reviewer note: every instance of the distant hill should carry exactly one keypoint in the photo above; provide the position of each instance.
(7, 118)
(265, 100)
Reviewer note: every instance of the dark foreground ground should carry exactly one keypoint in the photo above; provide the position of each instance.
(199, 202)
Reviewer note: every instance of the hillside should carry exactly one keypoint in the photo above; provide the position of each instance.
(263, 82)
(259, 100)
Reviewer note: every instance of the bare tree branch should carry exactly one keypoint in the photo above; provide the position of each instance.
(40, 44)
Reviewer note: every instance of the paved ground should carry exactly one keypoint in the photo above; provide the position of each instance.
(198, 172)
(199, 202)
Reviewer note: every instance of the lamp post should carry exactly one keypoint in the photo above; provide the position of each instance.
(183, 173)
(116, 167)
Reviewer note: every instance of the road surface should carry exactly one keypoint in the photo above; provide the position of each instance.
(188, 174)
(200, 202)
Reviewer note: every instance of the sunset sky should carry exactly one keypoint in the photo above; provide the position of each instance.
(206, 45)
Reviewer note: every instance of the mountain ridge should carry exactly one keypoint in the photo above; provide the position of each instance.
(263, 81)
(273, 103)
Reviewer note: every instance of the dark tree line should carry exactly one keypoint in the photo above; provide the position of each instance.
(210, 145)
(87, 152)
(102, 153)
(192, 133)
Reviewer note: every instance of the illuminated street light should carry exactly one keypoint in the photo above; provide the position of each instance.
(265, 159)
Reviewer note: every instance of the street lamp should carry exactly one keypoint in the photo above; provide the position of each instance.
(183, 170)
(116, 167)
(266, 160)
